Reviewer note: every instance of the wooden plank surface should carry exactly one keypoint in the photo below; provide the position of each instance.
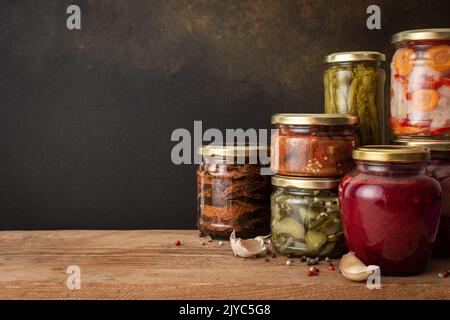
(147, 265)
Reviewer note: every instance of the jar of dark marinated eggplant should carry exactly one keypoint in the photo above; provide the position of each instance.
(354, 84)
(232, 194)
(305, 217)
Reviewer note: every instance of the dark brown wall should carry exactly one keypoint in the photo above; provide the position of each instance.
(86, 116)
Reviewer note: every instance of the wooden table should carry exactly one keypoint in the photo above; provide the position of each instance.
(148, 265)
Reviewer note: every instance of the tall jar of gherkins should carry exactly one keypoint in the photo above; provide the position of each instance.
(354, 84)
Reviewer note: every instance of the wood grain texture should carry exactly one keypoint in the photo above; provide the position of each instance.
(147, 265)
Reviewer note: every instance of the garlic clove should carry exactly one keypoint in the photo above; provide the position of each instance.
(354, 269)
(247, 248)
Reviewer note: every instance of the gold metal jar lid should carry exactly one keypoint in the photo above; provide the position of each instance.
(421, 34)
(354, 56)
(433, 145)
(232, 150)
(314, 119)
(387, 153)
(305, 183)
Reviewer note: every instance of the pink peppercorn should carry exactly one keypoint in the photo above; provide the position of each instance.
(445, 274)
(178, 243)
(331, 268)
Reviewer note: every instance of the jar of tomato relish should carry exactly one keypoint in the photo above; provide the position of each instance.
(390, 208)
(311, 145)
(420, 84)
(439, 168)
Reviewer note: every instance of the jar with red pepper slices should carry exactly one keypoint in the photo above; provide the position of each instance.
(420, 84)
(390, 208)
(314, 145)
(439, 168)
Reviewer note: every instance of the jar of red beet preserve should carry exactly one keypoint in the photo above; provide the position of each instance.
(390, 208)
(439, 167)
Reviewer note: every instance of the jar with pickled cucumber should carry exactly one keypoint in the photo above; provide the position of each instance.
(354, 84)
(305, 217)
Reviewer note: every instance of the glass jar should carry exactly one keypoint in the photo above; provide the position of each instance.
(354, 84)
(305, 217)
(390, 208)
(439, 167)
(313, 144)
(231, 192)
(420, 84)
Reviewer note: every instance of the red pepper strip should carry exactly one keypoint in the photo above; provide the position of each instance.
(408, 95)
(400, 78)
(436, 84)
(402, 122)
(439, 131)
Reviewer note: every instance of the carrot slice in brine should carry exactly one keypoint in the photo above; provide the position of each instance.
(404, 61)
(425, 99)
(438, 57)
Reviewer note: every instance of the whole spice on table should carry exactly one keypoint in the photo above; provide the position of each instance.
(354, 269)
(247, 248)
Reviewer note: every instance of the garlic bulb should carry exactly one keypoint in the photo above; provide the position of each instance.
(354, 269)
(247, 248)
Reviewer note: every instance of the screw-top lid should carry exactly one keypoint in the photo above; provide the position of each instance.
(354, 56)
(421, 34)
(232, 150)
(387, 153)
(305, 183)
(433, 145)
(314, 119)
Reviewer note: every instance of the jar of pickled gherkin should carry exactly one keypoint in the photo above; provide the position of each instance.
(420, 84)
(305, 217)
(232, 194)
(354, 84)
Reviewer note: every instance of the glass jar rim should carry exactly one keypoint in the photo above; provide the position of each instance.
(392, 153)
(432, 145)
(232, 150)
(421, 34)
(314, 119)
(355, 56)
(305, 182)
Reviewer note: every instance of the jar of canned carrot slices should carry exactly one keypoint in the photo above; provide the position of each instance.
(420, 84)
